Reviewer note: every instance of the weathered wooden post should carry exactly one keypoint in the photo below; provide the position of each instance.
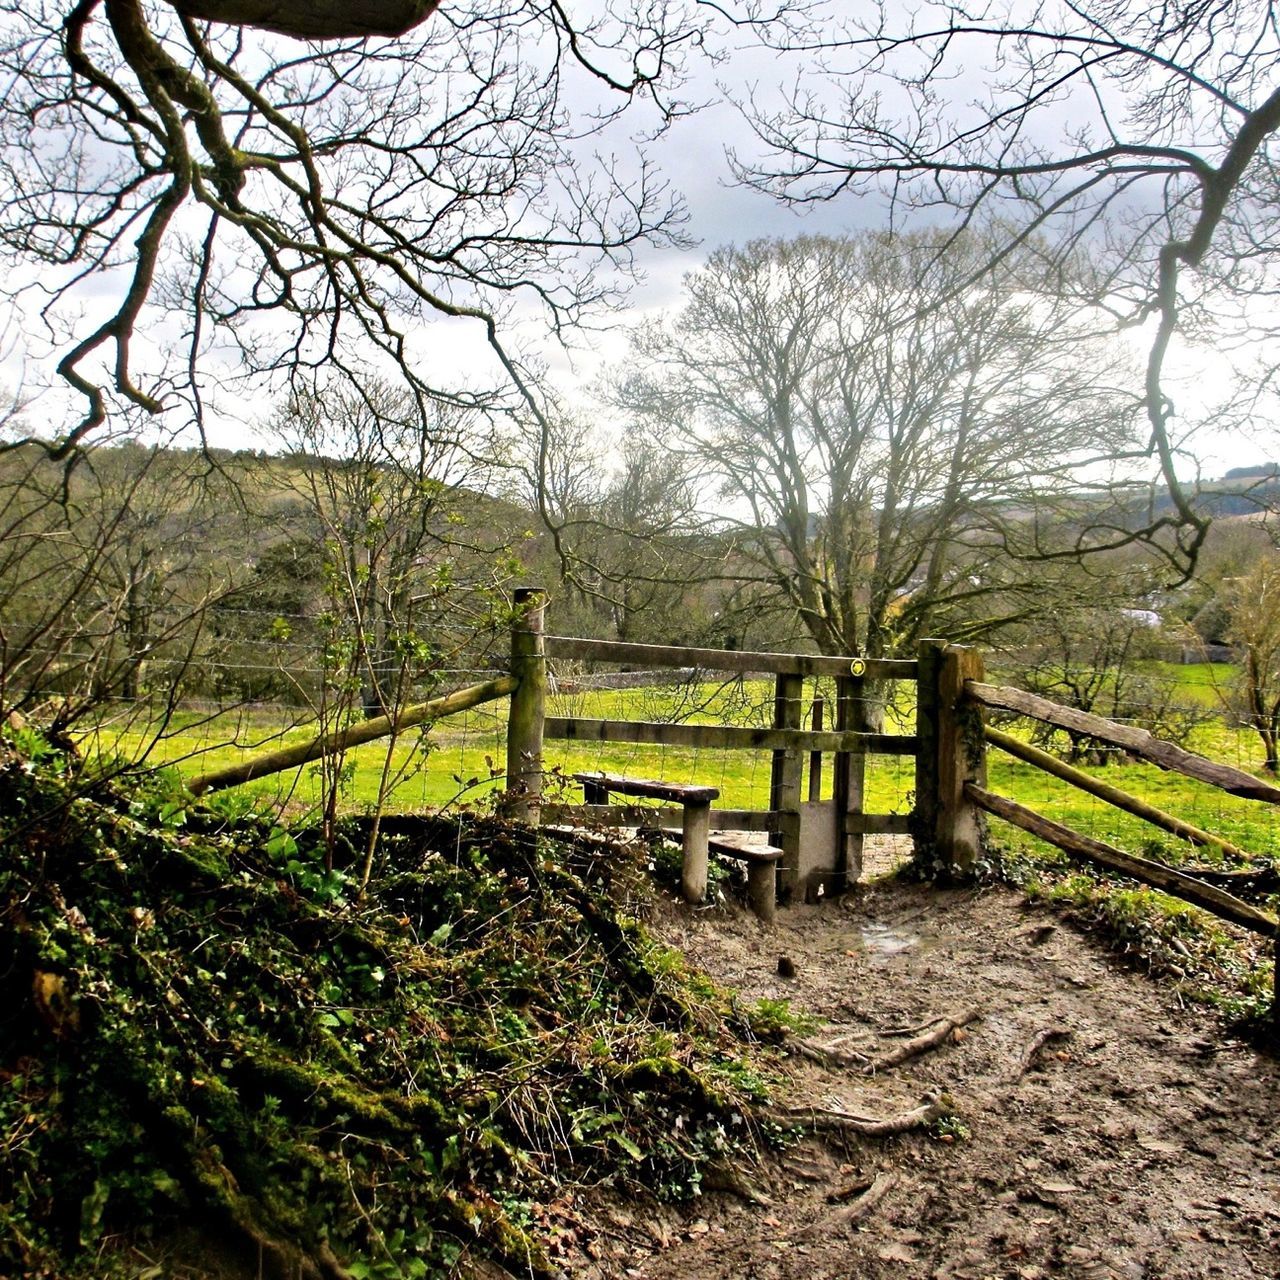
(924, 816)
(697, 830)
(949, 830)
(787, 777)
(850, 772)
(528, 708)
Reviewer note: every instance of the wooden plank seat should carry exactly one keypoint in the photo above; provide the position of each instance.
(698, 839)
(762, 868)
(695, 824)
(597, 785)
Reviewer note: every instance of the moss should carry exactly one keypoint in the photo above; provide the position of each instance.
(322, 1076)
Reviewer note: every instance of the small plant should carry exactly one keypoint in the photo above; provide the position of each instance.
(666, 861)
(951, 1128)
(773, 1020)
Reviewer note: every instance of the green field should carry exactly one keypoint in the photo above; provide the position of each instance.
(453, 763)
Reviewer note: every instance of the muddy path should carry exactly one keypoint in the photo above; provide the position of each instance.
(1105, 1131)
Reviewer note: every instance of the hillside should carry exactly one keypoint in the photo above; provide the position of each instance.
(221, 1062)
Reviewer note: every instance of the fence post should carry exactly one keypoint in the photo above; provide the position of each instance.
(949, 831)
(787, 777)
(849, 784)
(528, 708)
(924, 815)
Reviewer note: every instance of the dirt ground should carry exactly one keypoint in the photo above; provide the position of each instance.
(1136, 1144)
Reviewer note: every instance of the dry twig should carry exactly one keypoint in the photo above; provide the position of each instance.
(1042, 1038)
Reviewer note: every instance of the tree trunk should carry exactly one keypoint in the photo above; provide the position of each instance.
(314, 19)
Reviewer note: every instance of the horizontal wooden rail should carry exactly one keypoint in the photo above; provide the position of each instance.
(1111, 794)
(1214, 900)
(1138, 741)
(878, 824)
(269, 762)
(726, 737)
(664, 655)
(668, 817)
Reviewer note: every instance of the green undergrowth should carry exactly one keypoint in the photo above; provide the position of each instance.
(1206, 961)
(201, 1022)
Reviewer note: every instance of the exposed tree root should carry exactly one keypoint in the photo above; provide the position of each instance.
(831, 1054)
(940, 1033)
(932, 1108)
(1042, 1038)
(857, 1202)
(859, 1208)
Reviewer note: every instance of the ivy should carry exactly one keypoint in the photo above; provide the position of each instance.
(197, 1020)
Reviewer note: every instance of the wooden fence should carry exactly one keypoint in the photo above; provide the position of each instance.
(949, 745)
(822, 841)
(976, 697)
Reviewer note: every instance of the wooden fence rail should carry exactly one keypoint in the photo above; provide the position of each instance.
(1180, 884)
(1114, 795)
(1225, 905)
(325, 744)
(725, 737)
(741, 660)
(1138, 741)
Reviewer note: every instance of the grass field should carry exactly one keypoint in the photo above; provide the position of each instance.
(454, 762)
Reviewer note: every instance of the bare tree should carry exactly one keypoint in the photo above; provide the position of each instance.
(1098, 654)
(107, 579)
(293, 206)
(888, 472)
(1139, 138)
(629, 545)
(1253, 603)
(404, 585)
(377, 490)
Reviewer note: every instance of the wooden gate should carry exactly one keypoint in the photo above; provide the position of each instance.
(821, 839)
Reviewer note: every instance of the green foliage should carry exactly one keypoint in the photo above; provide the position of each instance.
(1210, 963)
(220, 1032)
(951, 1128)
(774, 1020)
(666, 862)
